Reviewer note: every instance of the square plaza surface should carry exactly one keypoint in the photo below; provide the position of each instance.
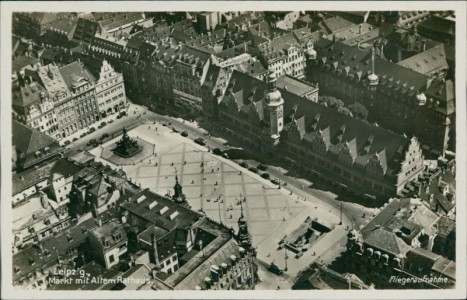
(219, 187)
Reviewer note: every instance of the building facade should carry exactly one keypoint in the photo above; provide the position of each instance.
(318, 140)
(398, 93)
(110, 91)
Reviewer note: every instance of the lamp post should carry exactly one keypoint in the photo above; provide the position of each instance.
(286, 257)
(219, 206)
(340, 222)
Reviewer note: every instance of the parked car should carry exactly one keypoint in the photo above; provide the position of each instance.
(123, 113)
(200, 141)
(104, 135)
(174, 130)
(265, 175)
(244, 164)
(110, 121)
(91, 129)
(217, 151)
(275, 181)
(92, 142)
(82, 134)
(102, 124)
(184, 133)
(66, 143)
(75, 139)
(254, 170)
(225, 155)
(273, 268)
(262, 167)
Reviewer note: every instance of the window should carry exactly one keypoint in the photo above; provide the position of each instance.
(111, 258)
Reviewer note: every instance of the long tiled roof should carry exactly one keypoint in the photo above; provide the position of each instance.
(192, 55)
(428, 61)
(333, 24)
(28, 178)
(20, 62)
(386, 215)
(293, 85)
(248, 93)
(357, 63)
(385, 240)
(184, 218)
(196, 277)
(65, 25)
(30, 141)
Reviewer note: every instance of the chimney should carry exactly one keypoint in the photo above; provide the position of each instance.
(155, 256)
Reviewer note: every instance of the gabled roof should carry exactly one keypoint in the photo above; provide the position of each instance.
(52, 79)
(438, 24)
(135, 42)
(64, 167)
(385, 240)
(22, 61)
(100, 188)
(386, 215)
(74, 72)
(65, 25)
(29, 141)
(27, 94)
(426, 62)
(444, 92)
(334, 24)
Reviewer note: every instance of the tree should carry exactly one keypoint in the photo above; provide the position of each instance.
(359, 111)
(344, 110)
(331, 102)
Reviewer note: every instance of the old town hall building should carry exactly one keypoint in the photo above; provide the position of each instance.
(317, 139)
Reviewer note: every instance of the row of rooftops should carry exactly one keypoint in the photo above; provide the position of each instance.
(394, 228)
(53, 81)
(314, 120)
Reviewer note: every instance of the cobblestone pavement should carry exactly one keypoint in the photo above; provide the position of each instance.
(218, 186)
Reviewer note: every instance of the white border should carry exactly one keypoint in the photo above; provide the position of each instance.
(8, 7)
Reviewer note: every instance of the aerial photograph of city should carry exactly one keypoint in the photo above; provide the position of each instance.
(233, 150)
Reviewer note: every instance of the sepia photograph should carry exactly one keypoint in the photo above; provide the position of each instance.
(157, 150)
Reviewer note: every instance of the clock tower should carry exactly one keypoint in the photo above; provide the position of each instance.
(275, 108)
